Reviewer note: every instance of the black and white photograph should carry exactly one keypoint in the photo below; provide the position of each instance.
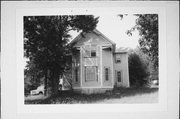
(80, 59)
(89, 59)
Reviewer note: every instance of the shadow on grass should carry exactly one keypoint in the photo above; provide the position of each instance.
(70, 97)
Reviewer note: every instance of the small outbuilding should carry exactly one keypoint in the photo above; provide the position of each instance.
(96, 64)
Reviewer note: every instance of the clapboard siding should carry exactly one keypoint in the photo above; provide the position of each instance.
(123, 67)
(97, 72)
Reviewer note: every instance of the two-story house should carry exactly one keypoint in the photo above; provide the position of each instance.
(97, 65)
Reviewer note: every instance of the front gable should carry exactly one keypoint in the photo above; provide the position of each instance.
(94, 37)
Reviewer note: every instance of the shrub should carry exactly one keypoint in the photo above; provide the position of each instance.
(138, 70)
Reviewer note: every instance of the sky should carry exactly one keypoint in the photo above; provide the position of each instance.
(115, 29)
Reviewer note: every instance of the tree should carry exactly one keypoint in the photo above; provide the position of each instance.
(46, 43)
(147, 25)
(139, 68)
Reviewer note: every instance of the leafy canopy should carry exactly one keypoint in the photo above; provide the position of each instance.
(46, 41)
(147, 25)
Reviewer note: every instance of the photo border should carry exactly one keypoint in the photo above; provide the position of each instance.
(12, 106)
(55, 108)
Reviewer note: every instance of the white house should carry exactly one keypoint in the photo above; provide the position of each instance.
(97, 64)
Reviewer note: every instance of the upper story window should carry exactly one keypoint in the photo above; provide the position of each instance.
(90, 51)
(118, 60)
(93, 53)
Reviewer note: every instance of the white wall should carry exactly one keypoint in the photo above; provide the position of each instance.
(123, 67)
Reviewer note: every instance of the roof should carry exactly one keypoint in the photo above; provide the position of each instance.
(99, 33)
(122, 50)
(94, 31)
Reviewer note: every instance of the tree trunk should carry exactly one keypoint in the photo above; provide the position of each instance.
(56, 85)
(55, 82)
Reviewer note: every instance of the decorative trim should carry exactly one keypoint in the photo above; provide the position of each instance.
(101, 67)
(112, 68)
(96, 32)
(127, 70)
(81, 69)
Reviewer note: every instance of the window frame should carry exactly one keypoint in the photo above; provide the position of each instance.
(76, 74)
(96, 73)
(117, 76)
(90, 51)
(93, 51)
(106, 73)
(118, 60)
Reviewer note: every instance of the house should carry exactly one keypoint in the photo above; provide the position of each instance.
(96, 64)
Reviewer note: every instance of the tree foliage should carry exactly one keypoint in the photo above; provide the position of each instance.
(139, 68)
(147, 25)
(46, 43)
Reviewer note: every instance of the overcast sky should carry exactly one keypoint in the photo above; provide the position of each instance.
(115, 29)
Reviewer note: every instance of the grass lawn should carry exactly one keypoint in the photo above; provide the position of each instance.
(119, 95)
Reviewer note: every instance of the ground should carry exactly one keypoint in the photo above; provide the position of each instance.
(119, 95)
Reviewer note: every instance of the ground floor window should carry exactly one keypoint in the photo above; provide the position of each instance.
(76, 74)
(119, 78)
(91, 73)
(106, 74)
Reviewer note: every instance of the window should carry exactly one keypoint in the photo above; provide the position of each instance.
(93, 53)
(119, 76)
(106, 74)
(118, 60)
(93, 50)
(90, 55)
(90, 51)
(87, 51)
(76, 74)
(91, 73)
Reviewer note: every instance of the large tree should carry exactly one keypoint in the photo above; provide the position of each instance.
(46, 43)
(147, 25)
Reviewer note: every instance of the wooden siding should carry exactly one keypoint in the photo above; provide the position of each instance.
(95, 65)
(107, 62)
(121, 66)
(93, 62)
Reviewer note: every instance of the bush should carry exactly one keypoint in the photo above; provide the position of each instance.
(138, 70)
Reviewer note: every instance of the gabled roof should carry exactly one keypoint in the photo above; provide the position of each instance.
(97, 33)
(122, 50)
